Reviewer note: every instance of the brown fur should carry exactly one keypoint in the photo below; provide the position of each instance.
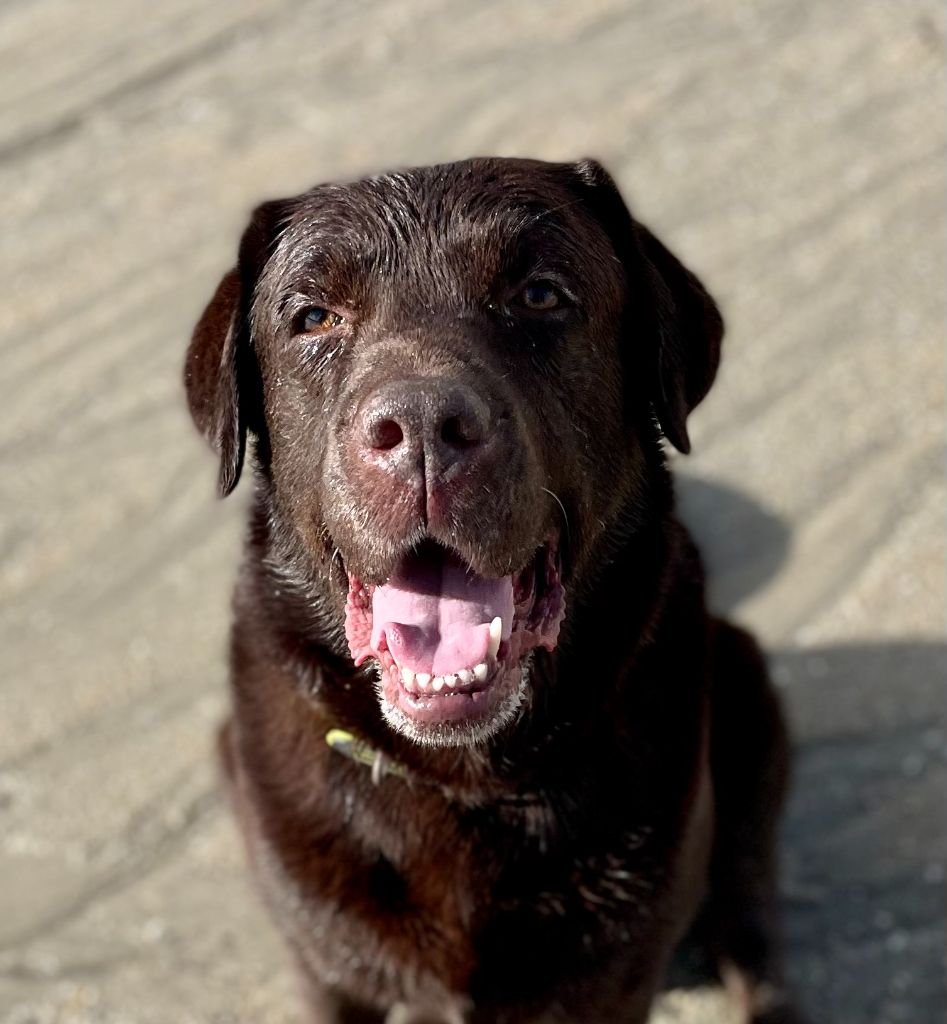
(545, 875)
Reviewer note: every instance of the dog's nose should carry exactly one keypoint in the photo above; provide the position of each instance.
(422, 427)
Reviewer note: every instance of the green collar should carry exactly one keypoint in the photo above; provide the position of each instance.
(349, 745)
(356, 749)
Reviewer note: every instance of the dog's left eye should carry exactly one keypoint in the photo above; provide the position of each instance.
(318, 320)
(540, 296)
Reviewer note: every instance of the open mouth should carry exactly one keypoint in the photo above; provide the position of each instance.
(449, 642)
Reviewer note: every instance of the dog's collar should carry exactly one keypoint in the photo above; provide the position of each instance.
(355, 749)
(381, 765)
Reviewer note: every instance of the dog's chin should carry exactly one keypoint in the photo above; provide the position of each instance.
(455, 719)
(451, 648)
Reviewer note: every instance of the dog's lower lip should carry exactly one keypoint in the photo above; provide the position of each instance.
(433, 700)
(465, 703)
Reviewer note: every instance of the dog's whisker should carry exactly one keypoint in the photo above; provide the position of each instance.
(565, 515)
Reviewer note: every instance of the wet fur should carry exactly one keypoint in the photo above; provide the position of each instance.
(545, 875)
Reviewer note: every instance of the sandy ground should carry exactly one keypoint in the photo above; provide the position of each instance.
(792, 152)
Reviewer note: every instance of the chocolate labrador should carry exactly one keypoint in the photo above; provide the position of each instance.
(490, 753)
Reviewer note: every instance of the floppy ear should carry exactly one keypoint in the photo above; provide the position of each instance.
(220, 370)
(683, 322)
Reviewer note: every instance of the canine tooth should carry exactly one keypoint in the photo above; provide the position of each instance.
(423, 678)
(480, 671)
(496, 627)
(407, 677)
(465, 675)
(451, 681)
(438, 683)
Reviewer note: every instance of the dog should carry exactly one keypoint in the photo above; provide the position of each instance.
(490, 753)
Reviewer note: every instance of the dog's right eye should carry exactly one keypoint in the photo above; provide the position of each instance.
(540, 296)
(318, 320)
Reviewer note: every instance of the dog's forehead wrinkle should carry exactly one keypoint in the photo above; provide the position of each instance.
(425, 228)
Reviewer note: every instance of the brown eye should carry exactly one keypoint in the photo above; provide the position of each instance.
(318, 320)
(541, 296)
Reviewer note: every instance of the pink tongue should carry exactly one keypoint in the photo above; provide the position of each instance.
(435, 615)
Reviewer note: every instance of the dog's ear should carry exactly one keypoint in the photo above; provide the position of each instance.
(220, 371)
(685, 327)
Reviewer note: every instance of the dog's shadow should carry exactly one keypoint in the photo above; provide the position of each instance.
(864, 838)
(742, 544)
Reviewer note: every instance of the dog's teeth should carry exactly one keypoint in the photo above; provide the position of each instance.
(438, 683)
(480, 671)
(465, 675)
(407, 677)
(423, 678)
(451, 681)
(496, 627)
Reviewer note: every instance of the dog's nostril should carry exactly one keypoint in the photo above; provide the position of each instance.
(457, 433)
(386, 435)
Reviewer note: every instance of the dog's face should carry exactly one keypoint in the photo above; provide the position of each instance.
(452, 374)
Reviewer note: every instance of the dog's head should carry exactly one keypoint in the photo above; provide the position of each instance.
(453, 375)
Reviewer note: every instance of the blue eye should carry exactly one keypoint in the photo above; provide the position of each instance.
(540, 296)
(318, 320)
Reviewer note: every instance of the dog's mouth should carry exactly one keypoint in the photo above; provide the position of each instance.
(449, 642)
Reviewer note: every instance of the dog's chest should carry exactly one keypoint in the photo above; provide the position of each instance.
(451, 904)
